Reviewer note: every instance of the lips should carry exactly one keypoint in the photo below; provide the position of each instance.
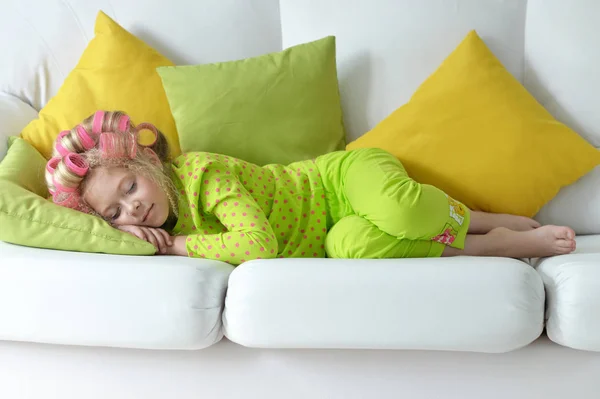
(147, 213)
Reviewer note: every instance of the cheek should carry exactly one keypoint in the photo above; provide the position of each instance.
(152, 191)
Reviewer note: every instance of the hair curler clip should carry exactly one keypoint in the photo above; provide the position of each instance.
(147, 126)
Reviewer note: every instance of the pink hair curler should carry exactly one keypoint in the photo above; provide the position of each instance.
(86, 140)
(68, 197)
(62, 189)
(73, 201)
(76, 164)
(61, 150)
(118, 145)
(52, 164)
(123, 123)
(97, 122)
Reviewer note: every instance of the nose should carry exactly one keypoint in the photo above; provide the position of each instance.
(133, 208)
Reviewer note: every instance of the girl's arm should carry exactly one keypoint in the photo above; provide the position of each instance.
(177, 247)
(250, 235)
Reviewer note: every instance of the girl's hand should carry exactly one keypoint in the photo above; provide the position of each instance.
(161, 240)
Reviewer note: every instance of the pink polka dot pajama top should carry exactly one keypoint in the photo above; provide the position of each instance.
(346, 204)
(234, 211)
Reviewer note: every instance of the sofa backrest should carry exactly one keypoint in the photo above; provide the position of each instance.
(561, 61)
(47, 37)
(386, 48)
(42, 41)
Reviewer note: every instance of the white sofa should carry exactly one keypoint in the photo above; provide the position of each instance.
(285, 321)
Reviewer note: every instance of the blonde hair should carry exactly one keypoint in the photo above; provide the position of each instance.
(105, 139)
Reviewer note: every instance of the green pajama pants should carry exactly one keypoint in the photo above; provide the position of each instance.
(377, 211)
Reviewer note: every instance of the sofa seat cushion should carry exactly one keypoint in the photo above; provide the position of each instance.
(73, 298)
(461, 304)
(573, 296)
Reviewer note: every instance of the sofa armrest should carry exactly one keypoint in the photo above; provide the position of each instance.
(14, 116)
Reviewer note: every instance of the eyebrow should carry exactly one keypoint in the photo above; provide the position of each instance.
(118, 188)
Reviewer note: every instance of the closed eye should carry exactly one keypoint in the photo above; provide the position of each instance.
(116, 215)
(132, 188)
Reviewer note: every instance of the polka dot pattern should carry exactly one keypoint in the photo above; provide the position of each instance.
(221, 218)
(299, 212)
(234, 211)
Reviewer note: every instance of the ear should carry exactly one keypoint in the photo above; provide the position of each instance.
(155, 159)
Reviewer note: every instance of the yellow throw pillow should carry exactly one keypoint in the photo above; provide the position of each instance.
(117, 71)
(474, 131)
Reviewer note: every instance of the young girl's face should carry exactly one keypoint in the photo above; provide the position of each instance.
(122, 197)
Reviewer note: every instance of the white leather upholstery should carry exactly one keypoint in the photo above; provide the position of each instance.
(462, 304)
(561, 61)
(81, 299)
(577, 206)
(43, 39)
(573, 295)
(387, 48)
(14, 116)
(102, 300)
(561, 70)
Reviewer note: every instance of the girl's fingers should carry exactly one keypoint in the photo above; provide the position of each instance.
(162, 243)
(150, 238)
(166, 236)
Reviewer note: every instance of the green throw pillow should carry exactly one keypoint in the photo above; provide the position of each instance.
(27, 218)
(276, 108)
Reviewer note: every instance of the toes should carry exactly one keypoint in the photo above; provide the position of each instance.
(535, 224)
(563, 247)
(565, 233)
(562, 251)
(565, 243)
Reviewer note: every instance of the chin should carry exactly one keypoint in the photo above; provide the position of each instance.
(161, 220)
(155, 223)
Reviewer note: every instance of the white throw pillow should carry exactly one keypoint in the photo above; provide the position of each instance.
(577, 205)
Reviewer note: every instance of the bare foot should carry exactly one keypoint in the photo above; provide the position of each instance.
(538, 243)
(482, 222)
(517, 223)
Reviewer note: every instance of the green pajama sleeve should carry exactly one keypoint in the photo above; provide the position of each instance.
(249, 234)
